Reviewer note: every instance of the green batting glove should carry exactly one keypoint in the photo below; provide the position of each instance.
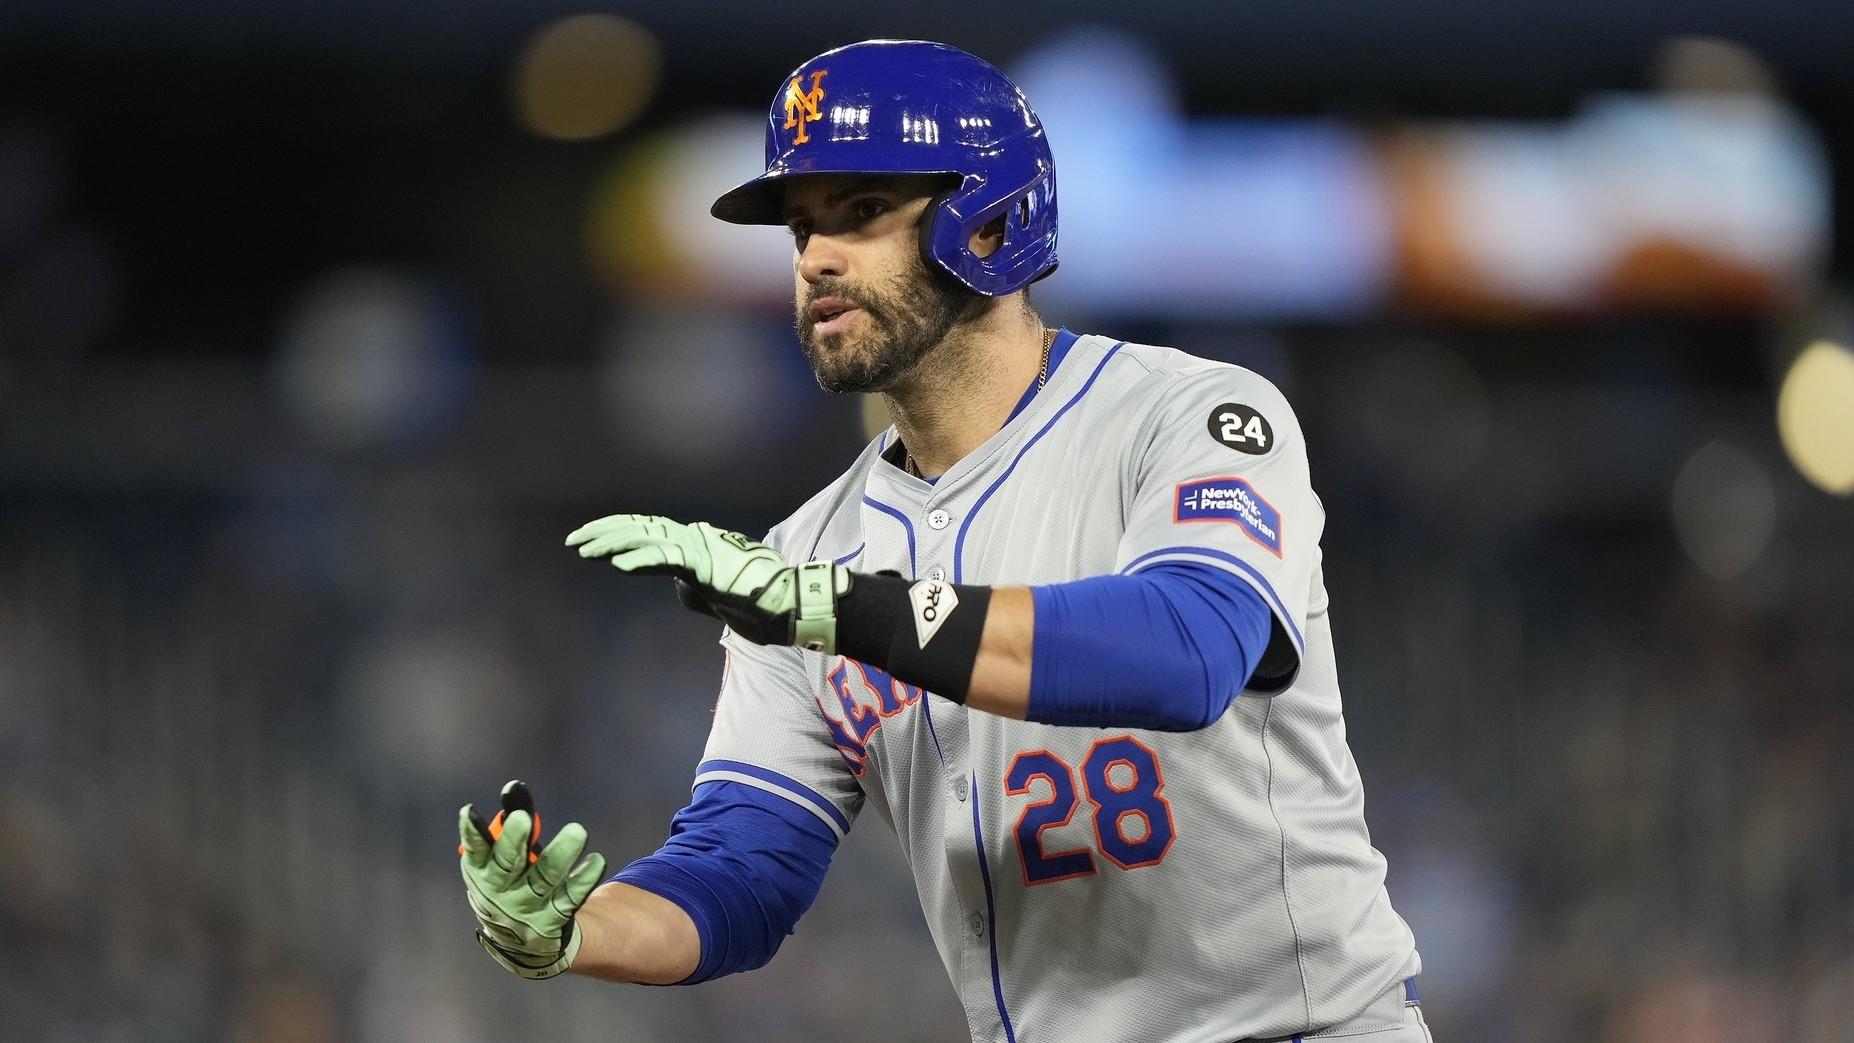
(740, 580)
(524, 895)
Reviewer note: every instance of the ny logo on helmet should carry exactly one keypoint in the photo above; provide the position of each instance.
(801, 107)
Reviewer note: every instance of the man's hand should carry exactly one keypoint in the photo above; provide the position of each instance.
(524, 896)
(735, 578)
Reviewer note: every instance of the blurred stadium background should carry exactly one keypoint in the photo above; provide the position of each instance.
(321, 324)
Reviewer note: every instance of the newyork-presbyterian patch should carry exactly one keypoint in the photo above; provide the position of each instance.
(1232, 500)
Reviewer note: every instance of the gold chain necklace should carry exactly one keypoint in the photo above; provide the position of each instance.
(1042, 377)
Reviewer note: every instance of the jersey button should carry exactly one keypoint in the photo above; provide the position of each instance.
(938, 519)
(977, 923)
(936, 573)
(959, 788)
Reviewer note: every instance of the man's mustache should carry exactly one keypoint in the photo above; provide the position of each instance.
(839, 291)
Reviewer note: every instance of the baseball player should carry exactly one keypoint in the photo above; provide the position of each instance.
(1062, 627)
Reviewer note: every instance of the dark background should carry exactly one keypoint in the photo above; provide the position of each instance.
(312, 350)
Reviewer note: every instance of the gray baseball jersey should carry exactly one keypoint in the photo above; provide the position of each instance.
(1087, 883)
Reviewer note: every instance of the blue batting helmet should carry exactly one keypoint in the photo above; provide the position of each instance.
(914, 107)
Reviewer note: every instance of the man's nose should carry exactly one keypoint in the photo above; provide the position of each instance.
(822, 257)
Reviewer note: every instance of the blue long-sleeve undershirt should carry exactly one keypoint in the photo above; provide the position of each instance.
(745, 865)
(1168, 648)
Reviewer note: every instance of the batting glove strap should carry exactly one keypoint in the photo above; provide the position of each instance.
(528, 965)
(814, 615)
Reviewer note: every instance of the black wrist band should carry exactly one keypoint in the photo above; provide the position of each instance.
(883, 619)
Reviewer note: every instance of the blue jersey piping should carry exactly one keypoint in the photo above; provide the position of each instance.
(959, 544)
(895, 513)
(784, 782)
(991, 915)
(1247, 569)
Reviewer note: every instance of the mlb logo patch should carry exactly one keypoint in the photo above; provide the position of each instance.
(1231, 500)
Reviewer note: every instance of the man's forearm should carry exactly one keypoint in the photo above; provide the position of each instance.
(1001, 673)
(633, 935)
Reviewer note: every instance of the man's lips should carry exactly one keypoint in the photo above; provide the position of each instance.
(826, 308)
(831, 314)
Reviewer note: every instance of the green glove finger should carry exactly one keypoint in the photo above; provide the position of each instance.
(556, 859)
(642, 527)
(614, 542)
(589, 531)
(580, 883)
(509, 857)
(654, 556)
(600, 526)
(638, 530)
(474, 847)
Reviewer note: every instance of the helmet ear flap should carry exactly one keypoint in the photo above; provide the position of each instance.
(1018, 218)
(1025, 215)
(930, 220)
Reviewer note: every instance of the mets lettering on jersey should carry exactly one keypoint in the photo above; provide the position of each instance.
(1083, 883)
(1230, 500)
(865, 696)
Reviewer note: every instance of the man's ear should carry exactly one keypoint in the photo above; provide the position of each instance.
(988, 239)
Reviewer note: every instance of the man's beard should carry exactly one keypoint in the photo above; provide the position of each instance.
(903, 323)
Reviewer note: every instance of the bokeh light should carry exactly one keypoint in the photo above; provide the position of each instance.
(1169, 215)
(1712, 64)
(584, 77)
(689, 387)
(1815, 416)
(1724, 509)
(648, 229)
(370, 354)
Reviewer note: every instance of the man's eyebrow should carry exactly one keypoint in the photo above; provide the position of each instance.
(862, 184)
